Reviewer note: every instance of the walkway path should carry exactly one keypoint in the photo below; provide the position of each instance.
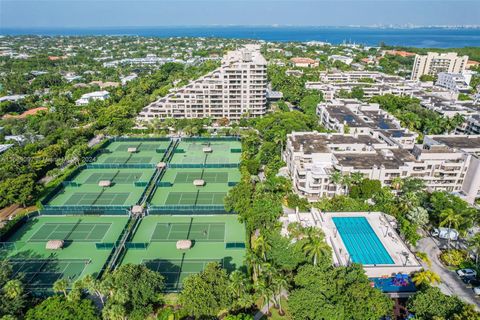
(451, 283)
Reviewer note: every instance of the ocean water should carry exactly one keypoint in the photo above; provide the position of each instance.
(415, 37)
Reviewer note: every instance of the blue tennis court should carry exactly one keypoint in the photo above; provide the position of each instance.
(361, 242)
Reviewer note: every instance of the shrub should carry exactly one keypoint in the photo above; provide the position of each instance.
(453, 257)
(293, 201)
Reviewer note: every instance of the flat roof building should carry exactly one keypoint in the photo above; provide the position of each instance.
(450, 165)
(357, 117)
(92, 96)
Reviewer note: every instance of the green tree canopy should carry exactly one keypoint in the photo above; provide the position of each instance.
(135, 289)
(58, 307)
(324, 292)
(207, 293)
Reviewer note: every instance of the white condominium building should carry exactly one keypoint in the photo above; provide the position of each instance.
(236, 88)
(446, 163)
(357, 117)
(92, 96)
(456, 82)
(433, 63)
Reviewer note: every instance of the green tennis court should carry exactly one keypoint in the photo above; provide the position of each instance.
(95, 198)
(194, 146)
(205, 198)
(189, 159)
(88, 232)
(174, 271)
(42, 273)
(165, 232)
(209, 177)
(129, 159)
(141, 146)
(193, 198)
(115, 177)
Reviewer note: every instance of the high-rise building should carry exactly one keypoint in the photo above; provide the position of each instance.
(434, 63)
(236, 88)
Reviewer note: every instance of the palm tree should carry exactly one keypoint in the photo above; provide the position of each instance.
(425, 277)
(61, 285)
(94, 287)
(296, 230)
(13, 289)
(474, 245)
(336, 178)
(240, 287)
(418, 215)
(397, 183)
(315, 245)
(254, 261)
(347, 182)
(280, 283)
(451, 218)
(261, 246)
(357, 177)
(265, 291)
(114, 312)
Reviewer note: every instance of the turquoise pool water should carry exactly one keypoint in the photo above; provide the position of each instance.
(361, 242)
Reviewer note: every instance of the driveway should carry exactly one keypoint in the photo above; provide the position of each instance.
(451, 283)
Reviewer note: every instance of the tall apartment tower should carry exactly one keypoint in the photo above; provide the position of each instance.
(434, 63)
(236, 88)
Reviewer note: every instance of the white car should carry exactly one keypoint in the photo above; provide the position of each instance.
(466, 273)
(476, 290)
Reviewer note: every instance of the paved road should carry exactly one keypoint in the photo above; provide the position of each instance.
(451, 283)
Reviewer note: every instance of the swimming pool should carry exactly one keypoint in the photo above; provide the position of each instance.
(361, 242)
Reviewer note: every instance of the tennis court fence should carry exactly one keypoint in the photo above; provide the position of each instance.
(121, 165)
(202, 165)
(11, 246)
(201, 139)
(139, 139)
(187, 209)
(105, 245)
(164, 184)
(85, 210)
(136, 245)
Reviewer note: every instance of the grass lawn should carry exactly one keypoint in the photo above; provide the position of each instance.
(275, 312)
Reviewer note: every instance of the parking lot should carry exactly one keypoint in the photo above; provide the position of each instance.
(451, 283)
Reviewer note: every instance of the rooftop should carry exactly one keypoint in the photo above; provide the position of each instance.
(314, 142)
(458, 142)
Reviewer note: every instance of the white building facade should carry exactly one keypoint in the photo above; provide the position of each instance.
(444, 163)
(456, 82)
(433, 63)
(92, 96)
(238, 87)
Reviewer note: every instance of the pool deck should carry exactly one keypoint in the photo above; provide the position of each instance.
(382, 225)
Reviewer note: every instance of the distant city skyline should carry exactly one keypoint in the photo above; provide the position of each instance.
(149, 13)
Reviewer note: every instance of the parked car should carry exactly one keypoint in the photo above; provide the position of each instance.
(476, 290)
(445, 233)
(466, 273)
(473, 281)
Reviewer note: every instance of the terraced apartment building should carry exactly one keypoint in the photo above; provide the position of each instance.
(236, 88)
(445, 162)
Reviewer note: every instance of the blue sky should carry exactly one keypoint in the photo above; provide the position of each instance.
(111, 13)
